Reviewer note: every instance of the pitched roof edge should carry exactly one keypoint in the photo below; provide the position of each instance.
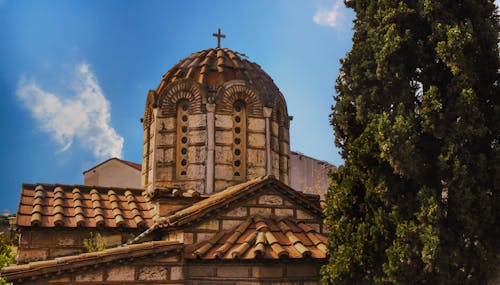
(33, 269)
(132, 164)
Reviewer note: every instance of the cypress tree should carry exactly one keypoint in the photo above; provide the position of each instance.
(417, 119)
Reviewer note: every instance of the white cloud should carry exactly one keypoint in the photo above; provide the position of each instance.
(333, 17)
(83, 117)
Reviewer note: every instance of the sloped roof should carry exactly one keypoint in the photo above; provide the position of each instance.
(134, 165)
(262, 238)
(51, 205)
(236, 193)
(38, 268)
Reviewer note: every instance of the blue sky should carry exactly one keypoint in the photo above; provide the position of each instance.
(74, 74)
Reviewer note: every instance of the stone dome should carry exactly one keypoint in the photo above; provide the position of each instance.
(215, 120)
(213, 67)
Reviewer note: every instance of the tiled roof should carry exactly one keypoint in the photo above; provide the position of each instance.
(263, 238)
(219, 65)
(236, 193)
(129, 163)
(16, 272)
(51, 205)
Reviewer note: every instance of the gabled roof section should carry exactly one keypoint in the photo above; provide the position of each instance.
(134, 165)
(70, 263)
(235, 194)
(58, 205)
(262, 238)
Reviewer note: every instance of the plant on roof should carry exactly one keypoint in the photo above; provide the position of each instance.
(7, 254)
(94, 243)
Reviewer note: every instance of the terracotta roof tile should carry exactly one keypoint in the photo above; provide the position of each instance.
(42, 268)
(254, 238)
(47, 205)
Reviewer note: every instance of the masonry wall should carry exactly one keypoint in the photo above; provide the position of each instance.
(172, 269)
(266, 204)
(47, 243)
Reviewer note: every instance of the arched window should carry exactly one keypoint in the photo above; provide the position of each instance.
(239, 140)
(182, 138)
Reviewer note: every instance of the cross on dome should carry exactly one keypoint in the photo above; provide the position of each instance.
(218, 35)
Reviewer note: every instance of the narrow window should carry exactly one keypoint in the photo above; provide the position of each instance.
(182, 139)
(239, 140)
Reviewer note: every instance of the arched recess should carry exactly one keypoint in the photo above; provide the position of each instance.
(281, 143)
(239, 140)
(236, 91)
(182, 139)
(184, 89)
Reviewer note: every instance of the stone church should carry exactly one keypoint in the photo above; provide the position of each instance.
(214, 204)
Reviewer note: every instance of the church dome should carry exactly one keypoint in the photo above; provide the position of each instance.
(213, 67)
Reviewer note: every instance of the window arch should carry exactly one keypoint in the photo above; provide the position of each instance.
(182, 139)
(239, 140)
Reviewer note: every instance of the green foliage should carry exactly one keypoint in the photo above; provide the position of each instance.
(94, 243)
(6, 255)
(417, 118)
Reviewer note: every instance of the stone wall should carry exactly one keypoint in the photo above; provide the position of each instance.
(171, 269)
(47, 243)
(266, 204)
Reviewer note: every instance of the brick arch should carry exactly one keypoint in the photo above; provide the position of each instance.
(242, 92)
(279, 104)
(185, 89)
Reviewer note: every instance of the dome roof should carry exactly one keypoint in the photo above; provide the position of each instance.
(213, 67)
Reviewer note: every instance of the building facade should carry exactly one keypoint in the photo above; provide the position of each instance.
(214, 206)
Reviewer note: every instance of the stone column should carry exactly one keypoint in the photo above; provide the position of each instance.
(154, 153)
(267, 114)
(210, 164)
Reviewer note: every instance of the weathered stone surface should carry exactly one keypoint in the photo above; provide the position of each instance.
(166, 139)
(32, 254)
(66, 239)
(223, 154)
(233, 271)
(95, 275)
(112, 240)
(268, 271)
(165, 154)
(197, 154)
(256, 157)
(153, 273)
(209, 225)
(223, 172)
(221, 185)
(223, 121)
(224, 137)
(65, 279)
(176, 273)
(303, 215)
(260, 211)
(230, 224)
(188, 238)
(168, 123)
(121, 273)
(283, 212)
(197, 121)
(164, 173)
(196, 171)
(302, 270)
(237, 212)
(197, 137)
(275, 128)
(204, 236)
(202, 271)
(270, 200)
(256, 140)
(54, 252)
(256, 124)
(254, 172)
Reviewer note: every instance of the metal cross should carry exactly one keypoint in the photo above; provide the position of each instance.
(219, 36)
